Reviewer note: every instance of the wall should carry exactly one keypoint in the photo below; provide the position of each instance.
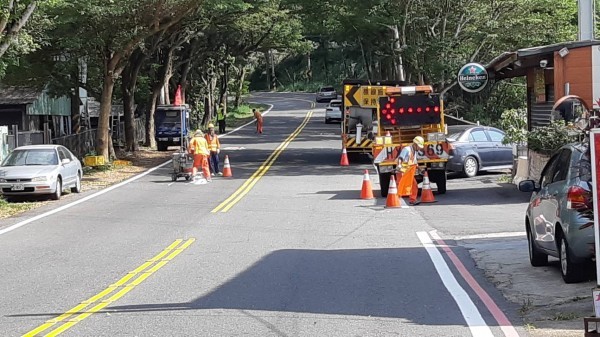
(596, 75)
(575, 69)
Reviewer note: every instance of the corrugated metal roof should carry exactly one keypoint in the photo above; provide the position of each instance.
(10, 95)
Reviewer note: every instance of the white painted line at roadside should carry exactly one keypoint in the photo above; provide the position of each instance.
(492, 236)
(470, 313)
(84, 199)
(243, 126)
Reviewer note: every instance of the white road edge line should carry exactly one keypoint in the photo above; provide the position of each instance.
(77, 202)
(471, 314)
(491, 235)
(101, 192)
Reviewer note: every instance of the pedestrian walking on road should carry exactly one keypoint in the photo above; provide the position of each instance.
(215, 148)
(407, 162)
(221, 115)
(199, 149)
(259, 120)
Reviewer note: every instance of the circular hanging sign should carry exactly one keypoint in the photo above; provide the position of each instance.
(472, 77)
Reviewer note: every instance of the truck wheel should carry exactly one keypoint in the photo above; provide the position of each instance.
(384, 182)
(439, 178)
(161, 146)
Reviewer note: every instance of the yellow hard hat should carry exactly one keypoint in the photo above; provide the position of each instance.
(419, 141)
(211, 125)
(198, 133)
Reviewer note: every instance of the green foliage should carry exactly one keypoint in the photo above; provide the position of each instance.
(548, 139)
(514, 124)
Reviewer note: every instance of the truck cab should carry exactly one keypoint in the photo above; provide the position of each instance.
(172, 126)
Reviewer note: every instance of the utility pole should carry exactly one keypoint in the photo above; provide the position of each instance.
(586, 19)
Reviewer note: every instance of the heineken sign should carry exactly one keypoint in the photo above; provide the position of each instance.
(472, 77)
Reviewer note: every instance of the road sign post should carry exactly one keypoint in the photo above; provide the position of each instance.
(594, 158)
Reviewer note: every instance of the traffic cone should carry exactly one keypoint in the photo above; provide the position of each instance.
(344, 160)
(367, 191)
(392, 200)
(426, 192)
(227, 168)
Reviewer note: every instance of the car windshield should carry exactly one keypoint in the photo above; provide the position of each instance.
(31, 157)
(326, 89)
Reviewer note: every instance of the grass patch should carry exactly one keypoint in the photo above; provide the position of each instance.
(505, 179)
(243, 114)
(526, 307)
(564, 316)
(8, 209)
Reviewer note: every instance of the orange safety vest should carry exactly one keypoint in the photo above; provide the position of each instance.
(258, 116)
(213, 142)
(412, 159)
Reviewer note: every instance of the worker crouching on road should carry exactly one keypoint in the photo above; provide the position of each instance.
(215, 148)
(259, 120)
(407, 162)
(199, 148)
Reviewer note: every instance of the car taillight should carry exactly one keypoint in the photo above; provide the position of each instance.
(577, 198)
(450, 149)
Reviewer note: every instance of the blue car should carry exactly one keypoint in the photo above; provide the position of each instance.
(478, 148)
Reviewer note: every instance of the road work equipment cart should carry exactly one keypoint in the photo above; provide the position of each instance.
(182, 165)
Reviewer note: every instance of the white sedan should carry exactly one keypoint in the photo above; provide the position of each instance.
(333, 111)
(40, 170)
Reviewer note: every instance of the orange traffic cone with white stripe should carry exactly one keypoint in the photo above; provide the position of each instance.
(227, 168)
(426, 192)
(392, 200)
(367, 190)
(344, 160)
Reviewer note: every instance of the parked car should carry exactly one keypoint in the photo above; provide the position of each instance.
(40, 170)
(333, 111)
(478, 148)
(326, 94)
(559, 220)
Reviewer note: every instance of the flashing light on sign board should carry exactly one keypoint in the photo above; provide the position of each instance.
(389, 116)
(410, 110)
(393, 121)
(387, 106)
(419, 109)
(401, 110)
(392, 100)
(427, 109)
(436, 109)
(393, 111)
(384, 111)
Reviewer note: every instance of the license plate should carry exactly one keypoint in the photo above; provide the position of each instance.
(176, 139)
(18, 187)
(163, 139)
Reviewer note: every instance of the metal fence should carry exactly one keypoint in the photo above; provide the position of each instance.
(80, 144)
(25, 138)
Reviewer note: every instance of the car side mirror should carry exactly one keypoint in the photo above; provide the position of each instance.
(65, 161)
(528, 186)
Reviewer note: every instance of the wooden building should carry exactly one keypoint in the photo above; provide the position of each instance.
(552, 71)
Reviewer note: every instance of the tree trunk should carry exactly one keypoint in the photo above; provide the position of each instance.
(128, 86)
(183, 82)
(273, 76)
(150, 127)
(238, 94)
(224, 86)
(75, 113)
(367, 65)
(103, 136)
(398, 62)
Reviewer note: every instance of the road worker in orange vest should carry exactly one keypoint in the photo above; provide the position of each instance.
(259, 120)
(199, 148)
(215, 148)
(407, 162)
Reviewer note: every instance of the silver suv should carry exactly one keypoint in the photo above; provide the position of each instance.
(560, 220)
(326, 94)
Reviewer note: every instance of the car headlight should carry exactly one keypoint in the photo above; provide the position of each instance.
(2, 180)
(41, 178)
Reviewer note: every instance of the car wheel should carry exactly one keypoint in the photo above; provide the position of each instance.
(571, 272)
(58, 193)
(327, 121)
(536, 258)
(470, 167)
(77, 187)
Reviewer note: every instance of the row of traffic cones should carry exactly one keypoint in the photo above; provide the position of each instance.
(393, 201)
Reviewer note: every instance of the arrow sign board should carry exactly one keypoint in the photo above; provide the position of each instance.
(365, 96)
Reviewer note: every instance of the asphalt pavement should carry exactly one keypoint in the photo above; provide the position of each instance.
(284, 248)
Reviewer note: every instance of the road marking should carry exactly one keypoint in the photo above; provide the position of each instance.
(261, 171)
(492, 235)
(468, 309)
(77, 202)
(144, 271)
(503, 321)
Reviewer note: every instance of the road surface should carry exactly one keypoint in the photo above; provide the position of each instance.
(284, 248)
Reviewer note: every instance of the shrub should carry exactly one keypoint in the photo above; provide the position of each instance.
(550, 138)
(514, 124)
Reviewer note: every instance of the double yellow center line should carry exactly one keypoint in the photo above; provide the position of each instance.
(122, 287)
(248, 184)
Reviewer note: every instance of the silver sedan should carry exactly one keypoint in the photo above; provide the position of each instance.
(40, 170)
